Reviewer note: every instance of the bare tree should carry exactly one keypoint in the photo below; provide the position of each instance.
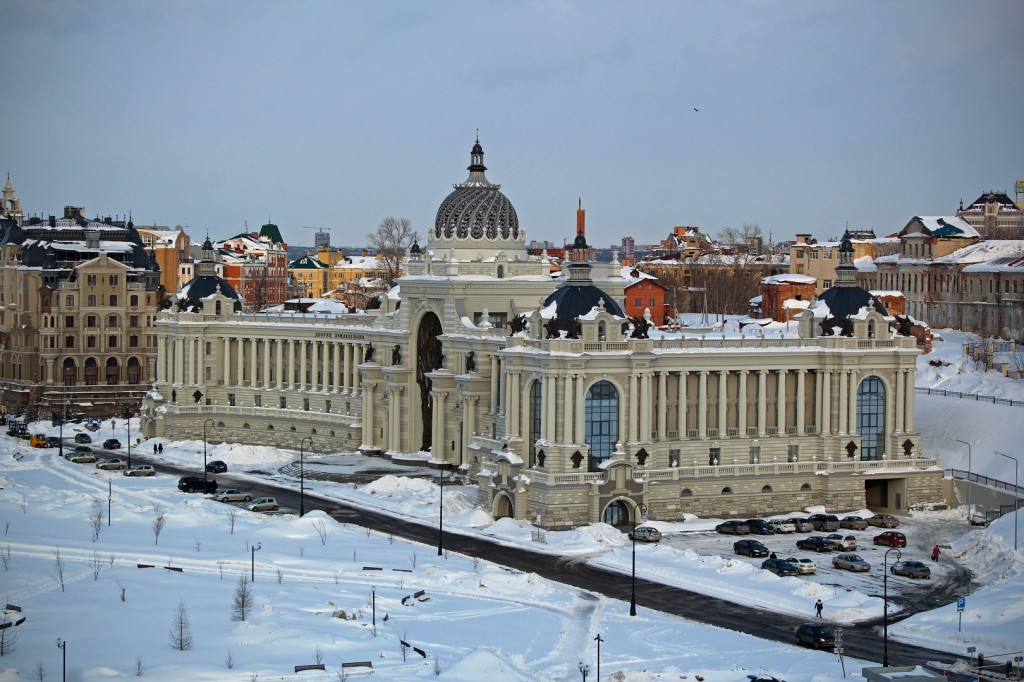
(318, 655)
(181, 629)
(96, 518)
(232, 514)
(140, 667)
(58, 568)
(96, 563)
(8, 634)
(229, 660)
(40, 671)
(732, 275)
(392, 238)
(158, 526)
(242, 604)
(321, 529)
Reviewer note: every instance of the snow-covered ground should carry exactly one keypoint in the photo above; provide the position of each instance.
(475, 621)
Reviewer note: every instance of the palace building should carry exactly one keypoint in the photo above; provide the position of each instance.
(546, 394)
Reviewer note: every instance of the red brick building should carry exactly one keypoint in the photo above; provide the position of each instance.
(785, 296)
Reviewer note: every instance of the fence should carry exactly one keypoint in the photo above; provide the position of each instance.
(971, 396)
(988, 481)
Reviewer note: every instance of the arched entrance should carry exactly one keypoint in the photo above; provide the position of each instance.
(91, 371)
(70, 372)
(428, 358)
(616, 513)
(113, 372)
(502, 507)
(134, 370)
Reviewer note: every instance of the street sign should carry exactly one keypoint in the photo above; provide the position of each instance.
(961, 603)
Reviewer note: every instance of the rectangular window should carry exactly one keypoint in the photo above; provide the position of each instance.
(69, 301)
(638, 303)
(111, 342)
(91, 301)
(133, 341)
(113, 280)
(327, 406)
(755, 454)
(305, 404)
(208, 347)
(714, 456)
(793, 453)
(90, 342)
(257, 400)
(133, 320)
(827, 284)
(650, 302)
(69, 320)
(91, 280)
(814, 255)
(673, 458)
(282, 402)
(231, 399)
(69, 342)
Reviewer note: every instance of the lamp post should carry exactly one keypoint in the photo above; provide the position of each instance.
(63, 417)
(598, 640)
(632, 597)
(1016, 506)
(302, 476)
(885, 602)
(585, 670)
(205, 424)
(62, 644)
(969, 514)
(255, 548)
(440, 518)
(128, 425)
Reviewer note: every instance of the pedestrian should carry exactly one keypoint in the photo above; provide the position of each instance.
(154, 448)
(935, 553)
(161, 446)
(818, 606)
(774, 556)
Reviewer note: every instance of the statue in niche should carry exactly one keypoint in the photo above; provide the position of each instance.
(575, 329)
(641, 456)
(368, 355)
(551, 327)
(540, 458)
(470, 362)
(518, 324)
(396, 355)
(640, 327)
(851, 449)
(908, 448)
(197, 396)
(174, 395)
(576, 459)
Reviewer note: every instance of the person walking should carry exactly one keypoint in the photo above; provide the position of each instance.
(818, 606)
(935, 553)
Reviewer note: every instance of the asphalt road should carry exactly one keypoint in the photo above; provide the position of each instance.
(861, 640)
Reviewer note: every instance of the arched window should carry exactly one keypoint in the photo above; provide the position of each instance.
(602, 331)
(766, 489)
(501, 272)
(806, 487)
(871, 418)
(270, 427)
(601, 417)
(536, 411)
(686, 493)
(245, 425)
(727, 490)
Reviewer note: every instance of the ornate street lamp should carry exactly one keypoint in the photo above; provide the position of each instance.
(642, 508)
(885, 602)
(62, 644)
(584, 670)
(302, 475)
(255, 548)
(598, 639)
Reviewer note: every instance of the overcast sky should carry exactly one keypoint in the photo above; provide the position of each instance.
(812, 115)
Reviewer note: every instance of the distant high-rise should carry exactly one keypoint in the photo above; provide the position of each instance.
(323, 238)
(629, 249)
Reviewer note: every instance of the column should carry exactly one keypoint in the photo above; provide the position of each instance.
(314, 368)
(843, 408)
(303, 376)
(279, 359)
(567, 410)
(826, 402)
(851, 403)
(681, 406)
(179, 361)
(901, 397)
(702, 405)
(762, 403)
(662, 405)
(548, 405)
(254, 366)
(346, 372)
(325, 384)
(495, 372)
(645, 407)
(240, 362)
(634, 407)
(801, 394)
(226, 360)
(337, 348)
(780, 403)
(266, 362)
(368, 426)
(512, 417)
(741, 404)
(723, 405)
(503, 386)
(200, 354)
(161, 354)
(581, 415)
(469, 421)
(908, 419)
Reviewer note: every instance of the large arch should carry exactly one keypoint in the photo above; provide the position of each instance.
(91, 371)
(871, 406)
(601, 422)
(134, 370)
(618, 512)
(502, 506)
(112, 372)
(428, 358)
(70, 372)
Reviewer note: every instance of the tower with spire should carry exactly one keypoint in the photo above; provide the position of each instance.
(11, 208)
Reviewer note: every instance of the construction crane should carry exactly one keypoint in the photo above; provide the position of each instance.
(323, 236)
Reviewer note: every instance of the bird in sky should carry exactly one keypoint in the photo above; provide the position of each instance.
(696, 109)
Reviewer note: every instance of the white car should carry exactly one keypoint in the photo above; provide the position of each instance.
(803, 565)
(139, 470)
(845, 542)
(262, 504)
(783, 525)
(232, 495)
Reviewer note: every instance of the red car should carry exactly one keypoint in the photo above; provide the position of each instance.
(892, 538)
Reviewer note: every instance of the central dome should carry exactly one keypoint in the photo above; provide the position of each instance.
(476, 210)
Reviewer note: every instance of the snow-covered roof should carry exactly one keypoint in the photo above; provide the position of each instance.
(947, 226)
(790, 277)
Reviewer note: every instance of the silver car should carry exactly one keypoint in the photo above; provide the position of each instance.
(845, 542)
(851, 562)
(262, 504)
(783, 525)
(802, 525)
(232, 495)
(803, 565)
(111, 464)
(139, 470)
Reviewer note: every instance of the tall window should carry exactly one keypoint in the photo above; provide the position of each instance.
(602, 422)
(536, 410)
(871, 418)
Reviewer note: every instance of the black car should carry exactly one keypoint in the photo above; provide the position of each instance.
(112, 444)
(827, 522)
(815, 636)
(196, 484)
(83, 438)
(816, 543)
(760, 527)
(780, 567)
(216, 467)
(752, 548)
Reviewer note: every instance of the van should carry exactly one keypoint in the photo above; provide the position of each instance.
(38, 441)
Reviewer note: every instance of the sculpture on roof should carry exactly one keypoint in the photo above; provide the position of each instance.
(551, 327)
(826, 325)
(640, 327)
(368, 355)
(575, 329)
(517, 324)
(902, 325)
(846, 327)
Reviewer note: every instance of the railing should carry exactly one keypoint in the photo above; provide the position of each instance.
(988, 481)
(970, 396)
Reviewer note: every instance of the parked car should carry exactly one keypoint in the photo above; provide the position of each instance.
(262, 504)
(92, 424)
(83, 438)
(79, 449)
(113, 463)
(802, 525)
(780, 567)
(884, 521)
(645, 533)
(216, 467)
(853, 522)
(851, 562)
(815, 636)
(760, 527)
(733, 527)
(911, 569)
(846, 542)
(139, 470)
(783, 525)
(826, 522)
(892, 538)
(53, 441)
(232, 495)
(752, 548)
(196, 484)
(112, 444)
(815, 543)
(82, 457)
(803, 565)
